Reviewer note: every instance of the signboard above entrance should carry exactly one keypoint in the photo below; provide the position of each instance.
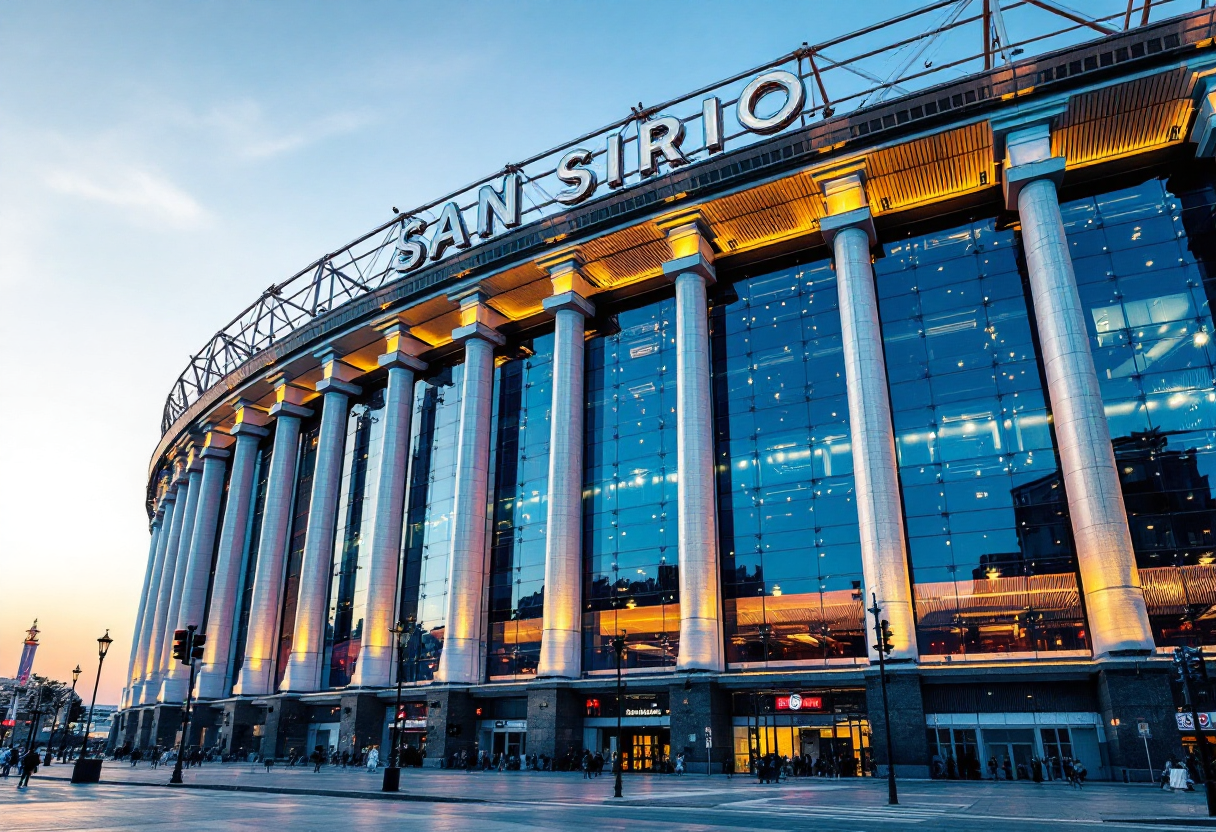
(798, 702)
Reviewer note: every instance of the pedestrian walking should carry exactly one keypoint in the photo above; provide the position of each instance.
(6, 761)
(318, 758)
(373, 758)
(680, 764)
(29, 765)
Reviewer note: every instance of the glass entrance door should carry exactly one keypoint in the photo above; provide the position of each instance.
(647, 749)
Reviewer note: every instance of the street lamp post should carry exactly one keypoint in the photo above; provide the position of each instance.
(618, 647)
(86, 770)
(35, 718)
(392, 773)
(63, 743)
(883, 646)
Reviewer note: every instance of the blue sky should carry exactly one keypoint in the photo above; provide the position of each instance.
(163, 163)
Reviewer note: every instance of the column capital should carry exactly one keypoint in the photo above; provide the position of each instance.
(336, 374)
(846, 199)
(475, 308)
(1203, 134)
(288, 398)
(569, 300)
(478, 331)
(857, 218)
(402, 348)
(249, 420)
(214, 453)
(1021, 140)
(691, 242)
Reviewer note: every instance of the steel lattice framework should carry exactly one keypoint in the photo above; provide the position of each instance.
(936, 43)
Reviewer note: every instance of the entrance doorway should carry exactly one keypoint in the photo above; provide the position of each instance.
(1015, 745)
(646, 749)
(511, 743)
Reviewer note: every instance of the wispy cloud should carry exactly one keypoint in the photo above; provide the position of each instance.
(244, 125)
(148, 196)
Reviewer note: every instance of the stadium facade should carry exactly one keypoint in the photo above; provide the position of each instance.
(747, 367)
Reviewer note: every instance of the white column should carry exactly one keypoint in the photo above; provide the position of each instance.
(194, 484)
(460, 660)
(561, 642)
(213, 673)
(1114, 600)
(134, 670)
(317, 567)
(691, 267)
(158, 605)
(159, 648)
(375, 665)
(261, 641)
(198, 560)
(884, 553)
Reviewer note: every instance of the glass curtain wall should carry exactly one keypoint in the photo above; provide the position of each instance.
(1143, 259)
(249, 566)
(521, 486)
(356, 514)
(791, 556)
(630, 546)
(295, 546)
(428, 525)
(988, 530)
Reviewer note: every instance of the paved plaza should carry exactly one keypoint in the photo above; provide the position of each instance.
(235, 797)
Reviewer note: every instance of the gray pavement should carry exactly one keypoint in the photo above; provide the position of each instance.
(216, 798)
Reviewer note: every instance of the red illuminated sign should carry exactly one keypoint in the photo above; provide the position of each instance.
(799, 702)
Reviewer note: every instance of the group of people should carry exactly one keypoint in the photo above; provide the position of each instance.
(26, 763)
(1182, 775)
(773, 768)
(1038, 769)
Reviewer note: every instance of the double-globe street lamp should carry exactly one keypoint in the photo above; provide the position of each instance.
(87, 769)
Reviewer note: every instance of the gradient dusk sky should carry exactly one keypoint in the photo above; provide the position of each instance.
(163, 163)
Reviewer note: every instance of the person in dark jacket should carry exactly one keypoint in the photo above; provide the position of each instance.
(29, 765)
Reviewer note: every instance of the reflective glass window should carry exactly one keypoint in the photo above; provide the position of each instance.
(1143, 259)
(987, 521)
(356, 515)
(427, 538)
(305, 467)
(787, 516)
(521, 487)
(630, 545)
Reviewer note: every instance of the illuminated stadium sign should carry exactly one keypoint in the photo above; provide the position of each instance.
(659, 140)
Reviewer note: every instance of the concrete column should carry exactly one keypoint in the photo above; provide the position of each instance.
(317, 567)
(158, 605)
(555, 719)
(214, 673)
(198, 562)
(907, 707)
(135, 670)
(375, 665)
(261, 641)
(158, 648)
(1114, 599)
(194, 485)
(461, 659)
(849, 229)
(691, 267)
(561, 642)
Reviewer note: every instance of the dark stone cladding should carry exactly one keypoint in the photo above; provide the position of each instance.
(937, 107)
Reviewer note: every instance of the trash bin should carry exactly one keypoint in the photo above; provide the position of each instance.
(392, 780)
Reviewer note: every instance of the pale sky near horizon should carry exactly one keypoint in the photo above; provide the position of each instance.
(163, 163)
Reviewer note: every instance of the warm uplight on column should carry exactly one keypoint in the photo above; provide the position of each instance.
(561, 636)
(849, 229)
(1114, 601)
(691, 269)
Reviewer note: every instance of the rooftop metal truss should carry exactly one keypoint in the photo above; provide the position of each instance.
(937, 43)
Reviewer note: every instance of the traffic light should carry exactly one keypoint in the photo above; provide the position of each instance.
(886, 646)
(181, 645)
(1189, 666)
(196, 651)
